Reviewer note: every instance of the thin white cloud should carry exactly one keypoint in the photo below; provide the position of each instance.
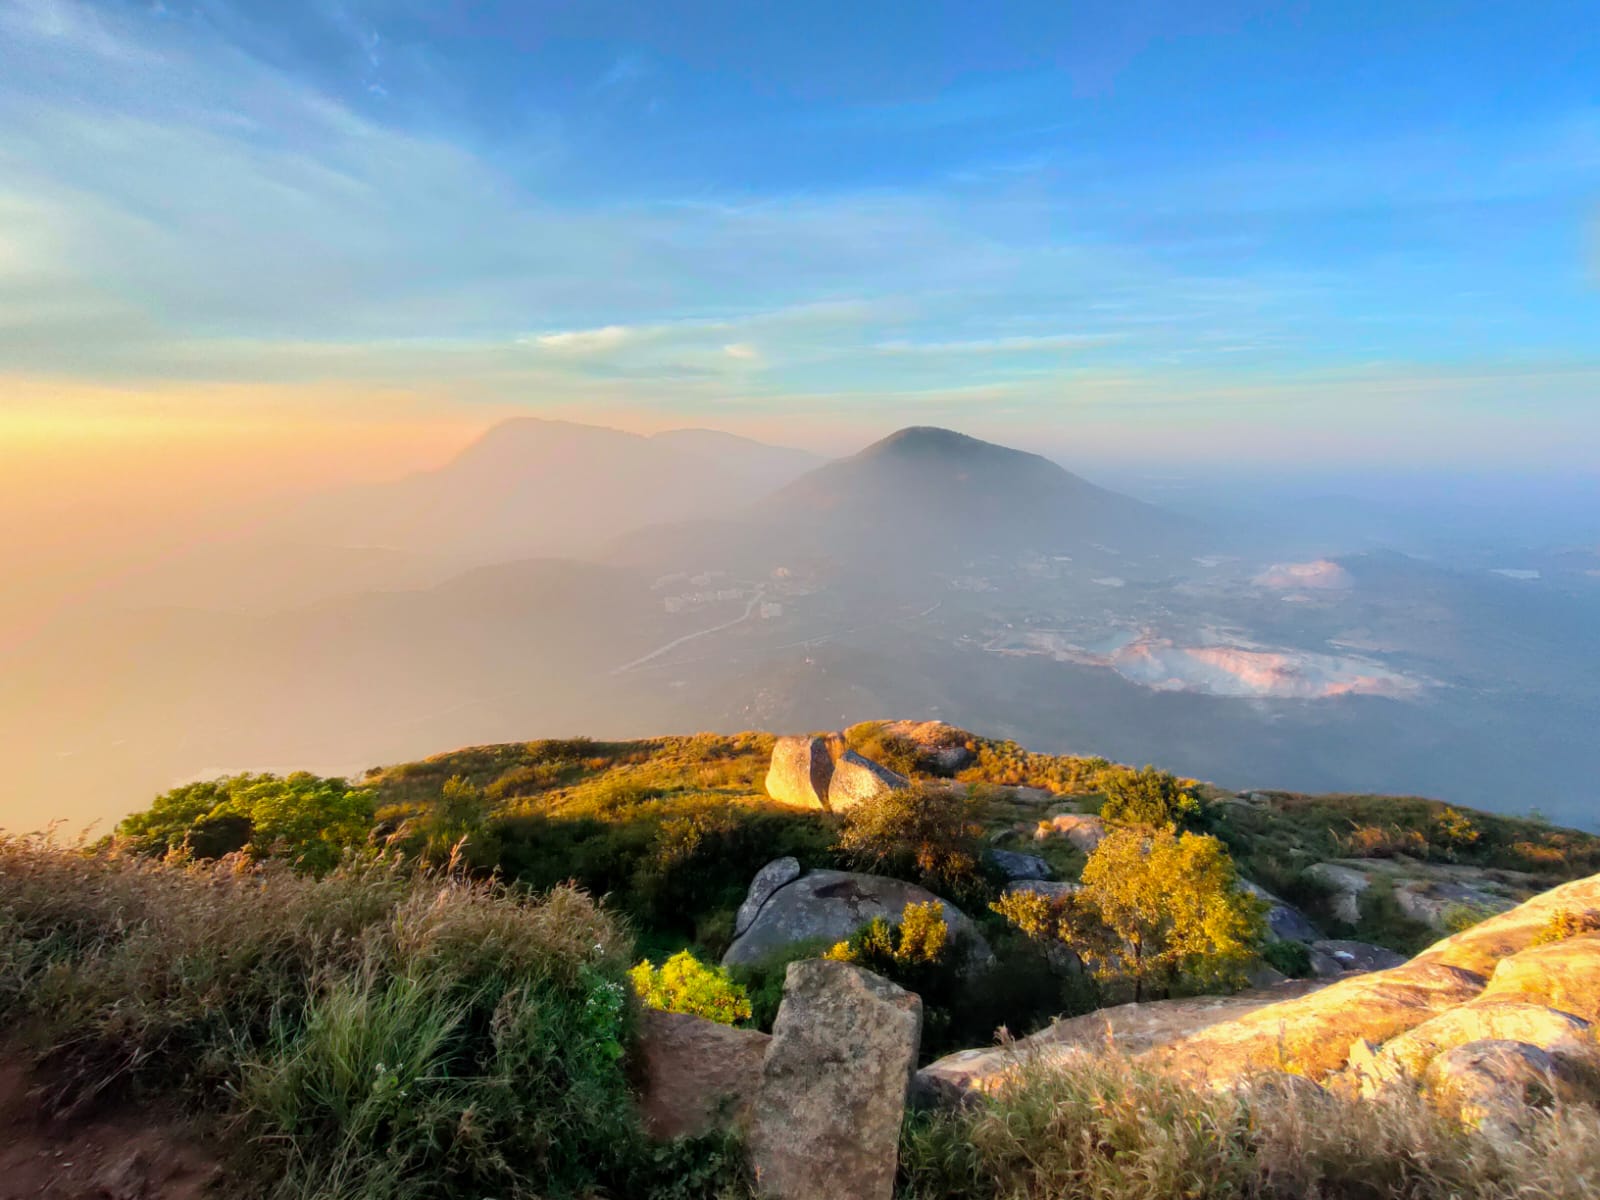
(743, 351)
(586, 341)
(1002, 345)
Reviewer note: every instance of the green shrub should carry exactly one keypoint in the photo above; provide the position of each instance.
(1147, 797)
(302, 817)
(928, 834)
(763, 981)
(1291, 958)
(683, 984)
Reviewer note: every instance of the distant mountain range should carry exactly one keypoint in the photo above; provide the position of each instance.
(557, 579)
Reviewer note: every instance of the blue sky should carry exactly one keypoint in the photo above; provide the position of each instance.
(1358, 232)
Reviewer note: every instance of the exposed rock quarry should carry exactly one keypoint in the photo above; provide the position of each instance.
(1083, 831)
(800, 772)
(828, 906)
(827, 1113)
(857, 780)
(769, 879)
(698, 1075)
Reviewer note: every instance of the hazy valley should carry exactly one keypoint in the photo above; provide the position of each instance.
(559, 579)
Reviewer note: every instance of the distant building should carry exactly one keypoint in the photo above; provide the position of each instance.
(771, 609)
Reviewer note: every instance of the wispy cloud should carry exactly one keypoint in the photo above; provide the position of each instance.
(586, 341)
(1003, 345)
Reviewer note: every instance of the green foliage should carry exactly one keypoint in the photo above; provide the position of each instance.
(1147, 797)
(1155, 906)
(309, 820)
(1383, 922)
(1291, 958)
(928, 834)
(1006, 763)
(373, 1033)
(683, 984)
(1566, 923)
(455, 828)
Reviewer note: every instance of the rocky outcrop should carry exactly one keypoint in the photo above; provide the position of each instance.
(1050, 889)
(1313, 1034)
(828, 906)
(1125, 1029)
(1083, 831)
(1482, 947)
(1019, 866)
(1286, 923)
(827, 1114)
(1563, 975)
(1345, 885)
(800, 772)
(697, 1075)
(857, 780)
(1548, 1029)
(1436, 903)
(1491, 1085)
(770, 878)
(1333, 957)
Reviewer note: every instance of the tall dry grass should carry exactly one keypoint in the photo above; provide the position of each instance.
(377, 1033)
(1106, 1129)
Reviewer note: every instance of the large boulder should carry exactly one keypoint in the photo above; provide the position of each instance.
(697, 1075)
(827, 1114)
(1286, 923)
(1549, 1029)
(1123, 1029)
(1345, 885)
(828, 906)
(1481, 947)
(1564, 975)
(1082, 830)
(1333, 957)
(1492, 1085)
(857, 780)
(1313, 1035)
(770, 878)
(800, 772)
(1019, 866)
(1437, 903)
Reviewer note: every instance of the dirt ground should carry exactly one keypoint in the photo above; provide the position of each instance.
(124, 1153)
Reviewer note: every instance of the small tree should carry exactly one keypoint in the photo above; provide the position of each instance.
(457, 824)
(928, 832)
(1146, 797)
(684, 984)
(1155, 905)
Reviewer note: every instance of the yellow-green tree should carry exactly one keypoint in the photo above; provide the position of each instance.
(1155, 906)
(1148, 796)
(929, 833)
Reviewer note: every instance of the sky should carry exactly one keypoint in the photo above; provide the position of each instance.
(1331, 233)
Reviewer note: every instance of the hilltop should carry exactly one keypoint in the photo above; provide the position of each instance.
(494, 971)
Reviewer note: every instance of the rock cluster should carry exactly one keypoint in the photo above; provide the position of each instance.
(805, 773)
(820, 1101)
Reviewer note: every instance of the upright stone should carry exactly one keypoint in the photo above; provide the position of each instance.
(800, 772)
(827, 1114)
(857, 780)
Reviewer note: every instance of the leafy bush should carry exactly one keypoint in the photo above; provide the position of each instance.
(1155, 906)
(1147, 797)
(929, 834)
(763, 981)
(1290, 958)
(684, 984)
(302, 817)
